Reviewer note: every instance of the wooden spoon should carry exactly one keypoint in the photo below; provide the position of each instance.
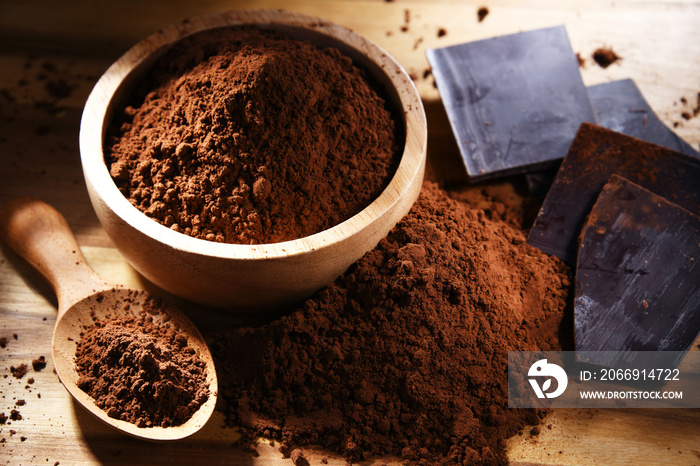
(38, 233)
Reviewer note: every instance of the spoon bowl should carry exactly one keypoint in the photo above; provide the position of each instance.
(40, 234)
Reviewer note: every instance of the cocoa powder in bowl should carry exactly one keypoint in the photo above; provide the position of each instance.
(243, 135)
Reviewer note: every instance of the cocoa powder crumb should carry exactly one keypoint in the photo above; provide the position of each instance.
(247, 136)
(19, 371)
(481, 13)
(39, 363)
(605, 56)
(253, 450)
(285, 449)
(138, 367)
(3, 342)
(58, 88)
(15, 415)
(408, 349)
(298, 458)
(3, 418)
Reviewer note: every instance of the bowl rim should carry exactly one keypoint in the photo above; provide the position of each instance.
(93, 125)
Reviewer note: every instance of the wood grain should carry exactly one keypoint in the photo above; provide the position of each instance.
(660, 44)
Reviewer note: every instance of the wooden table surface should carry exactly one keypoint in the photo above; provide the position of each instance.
(45, 45)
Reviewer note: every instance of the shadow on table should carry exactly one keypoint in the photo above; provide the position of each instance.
(213, 444)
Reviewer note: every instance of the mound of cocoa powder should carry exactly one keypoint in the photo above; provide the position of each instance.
(406, 353)
(247, 136)
(138, 366)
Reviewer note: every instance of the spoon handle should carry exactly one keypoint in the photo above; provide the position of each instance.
(39, 233)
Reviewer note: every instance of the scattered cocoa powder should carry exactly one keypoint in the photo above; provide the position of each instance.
(58, 88)
(481, 13)
(298, 458)
(252, 449)
(138, 367)
(15, 415)
(246, 136)
(19, 371)
(689, 111)
(605, 56)
(417, 43)
(39, 363)
(284, 447)
(3, 418)
(406, 353)
(3, 342)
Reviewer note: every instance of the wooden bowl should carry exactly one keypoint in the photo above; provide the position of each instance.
(234, 276)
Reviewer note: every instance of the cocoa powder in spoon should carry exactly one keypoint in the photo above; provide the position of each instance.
(138, 366)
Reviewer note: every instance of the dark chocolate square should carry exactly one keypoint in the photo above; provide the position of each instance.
(620, 106)
(514, 102)
(637, 274)
(594, 156)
